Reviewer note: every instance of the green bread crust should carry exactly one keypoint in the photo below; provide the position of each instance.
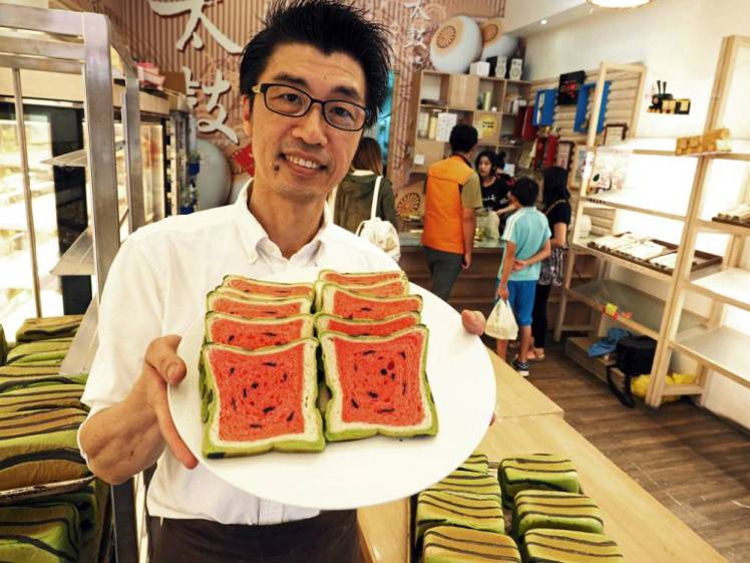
(3, 346)
(566, 546)
(556, 510)
(305, 305)
(468, 483)
(336, 429)
(226, 280)
(453, 544)
(436, 508)
(477, 463)
(314, 442)
(53, 348)
(540, 471)
(37, 397)
(332, 275)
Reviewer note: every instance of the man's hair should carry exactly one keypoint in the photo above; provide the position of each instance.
(555, 185)
(331, 26)
(525, 190)
(491, 157)
(368, 156)
(463, 138)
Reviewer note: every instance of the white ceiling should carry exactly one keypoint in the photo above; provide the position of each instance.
(523, 17)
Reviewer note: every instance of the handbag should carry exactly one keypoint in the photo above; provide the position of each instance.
(501, 323)
(379, 232)
(635, 356)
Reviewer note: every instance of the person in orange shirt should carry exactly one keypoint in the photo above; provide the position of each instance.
(452, 195)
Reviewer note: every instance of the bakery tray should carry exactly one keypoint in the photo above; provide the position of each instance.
(13, 496)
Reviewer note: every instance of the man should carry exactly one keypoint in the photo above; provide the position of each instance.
(527, 243)
(452, 195)
(311, 81)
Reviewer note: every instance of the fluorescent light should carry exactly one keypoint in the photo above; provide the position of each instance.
(544, 22)
(619, 3)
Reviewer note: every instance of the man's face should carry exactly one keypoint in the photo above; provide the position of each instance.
(303, 158)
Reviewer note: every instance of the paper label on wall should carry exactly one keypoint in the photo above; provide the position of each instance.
(446, 123)
(419, 159)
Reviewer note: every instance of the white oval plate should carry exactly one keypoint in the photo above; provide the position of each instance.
(375, 470)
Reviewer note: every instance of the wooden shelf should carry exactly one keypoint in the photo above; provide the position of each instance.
(721, 349)
(724, 227)
(621, 261)
(646, 310)
(666, 147)
(731, 286)
(620, 203)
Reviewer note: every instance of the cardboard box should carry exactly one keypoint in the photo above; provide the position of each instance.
(427, 152)
(463, 91)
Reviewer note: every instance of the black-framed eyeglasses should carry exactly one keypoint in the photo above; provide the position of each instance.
(293, 102)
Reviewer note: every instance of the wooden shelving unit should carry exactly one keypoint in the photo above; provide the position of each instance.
(702, 338)
(719, 348)
(438, 92)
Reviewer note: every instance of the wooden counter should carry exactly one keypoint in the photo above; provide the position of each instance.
(645, 530)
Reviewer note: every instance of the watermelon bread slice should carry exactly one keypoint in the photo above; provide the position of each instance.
(254, 402)
(254, 334)
(378, 385)
(336, 300)
(268, 289)
(231, 302)
(387, 288)
(359, 278)
(363, 327)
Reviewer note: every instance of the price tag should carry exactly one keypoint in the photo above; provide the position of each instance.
(610, 309)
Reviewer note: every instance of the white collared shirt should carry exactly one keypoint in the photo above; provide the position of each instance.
(157, 285)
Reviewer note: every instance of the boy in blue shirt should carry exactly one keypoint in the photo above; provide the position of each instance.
(527, 243)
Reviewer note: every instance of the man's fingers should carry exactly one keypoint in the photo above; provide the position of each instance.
(473, 321)
(162, 356)
(160, 404)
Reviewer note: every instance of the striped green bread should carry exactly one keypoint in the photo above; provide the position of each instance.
(565, 546)
(54, 348)
(476, 463)
(39, 534)
(378, 385)
(3, 346)
(10, 383)
(536, 471)
(468, 483)
(451, 544)
(38, 447)
(57, 395)
(258, 401)
(22, 371)
(48, 327)
(556, 510)
(435, 508)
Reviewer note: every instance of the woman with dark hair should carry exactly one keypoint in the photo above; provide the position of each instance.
(491, 195)
(556, 206)
(352, 199)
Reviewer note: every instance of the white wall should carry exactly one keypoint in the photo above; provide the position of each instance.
(678, 41)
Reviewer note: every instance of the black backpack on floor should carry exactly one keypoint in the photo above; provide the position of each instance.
(635, 356)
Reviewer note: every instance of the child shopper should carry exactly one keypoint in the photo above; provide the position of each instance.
(527, 243)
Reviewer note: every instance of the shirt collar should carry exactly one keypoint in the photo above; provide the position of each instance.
(256, 241)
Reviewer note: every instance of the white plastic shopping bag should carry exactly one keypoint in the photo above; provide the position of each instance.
(502, 324)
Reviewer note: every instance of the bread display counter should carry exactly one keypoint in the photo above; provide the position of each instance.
(529, 422)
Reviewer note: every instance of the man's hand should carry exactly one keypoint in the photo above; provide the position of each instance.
(473, 321)
(502, 291)
(161, 367)
(466, 262)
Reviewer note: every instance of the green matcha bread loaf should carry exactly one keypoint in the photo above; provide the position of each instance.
(565, 546)
(536, 471)
(39, 534)
(556, 510)
(462, 482)
(451, 544)
(436, 508)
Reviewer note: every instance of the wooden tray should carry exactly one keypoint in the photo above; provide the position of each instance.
(701, 259)
(736, 223)
(13, 496)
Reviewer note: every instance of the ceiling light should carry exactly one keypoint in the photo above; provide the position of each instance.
(544, 22)
(619, 3)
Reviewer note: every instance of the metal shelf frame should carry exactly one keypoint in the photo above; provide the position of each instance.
(67, 42)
